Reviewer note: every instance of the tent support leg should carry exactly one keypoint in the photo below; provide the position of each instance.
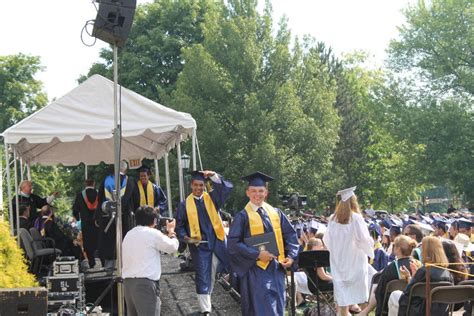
(168, 185)
(9, 189)
(180, 171)
(193, 139)
(17, 206)
(157, 173)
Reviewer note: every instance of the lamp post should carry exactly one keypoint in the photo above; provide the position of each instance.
(185, 160)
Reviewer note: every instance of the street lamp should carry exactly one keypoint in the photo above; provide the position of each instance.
(185, 160)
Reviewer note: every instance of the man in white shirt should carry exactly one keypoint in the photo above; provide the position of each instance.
(141, 262)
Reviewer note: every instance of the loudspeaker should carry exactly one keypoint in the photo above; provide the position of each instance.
(23, 301)
(114, 21)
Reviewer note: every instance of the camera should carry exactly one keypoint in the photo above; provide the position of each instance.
(161, 222)
(294, 201)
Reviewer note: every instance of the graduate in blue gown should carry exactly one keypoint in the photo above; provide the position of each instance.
(199, 224)
(141, 196)
(262, 290)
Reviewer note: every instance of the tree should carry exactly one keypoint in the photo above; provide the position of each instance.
(438, 43)
(258, 105)
(20, 93)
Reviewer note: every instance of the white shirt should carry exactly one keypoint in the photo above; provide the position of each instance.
(141, 252)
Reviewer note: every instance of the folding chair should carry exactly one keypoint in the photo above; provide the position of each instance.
(452, 295)
(394, 285)
(34, 256)
(309, 261)
(40, 242)
(419, 290)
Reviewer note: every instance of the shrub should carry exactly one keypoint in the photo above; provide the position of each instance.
(13, 265)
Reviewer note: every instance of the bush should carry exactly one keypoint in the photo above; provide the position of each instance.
(13, 266)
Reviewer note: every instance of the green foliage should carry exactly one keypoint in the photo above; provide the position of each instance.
(258, 105)
(438, 42)
(20, 93)
(14, 270)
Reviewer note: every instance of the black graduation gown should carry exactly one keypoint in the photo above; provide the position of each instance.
(388, 274)
(33, 201)
(90, 233)
(417, 305)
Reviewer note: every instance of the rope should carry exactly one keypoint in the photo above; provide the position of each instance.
(451, 270)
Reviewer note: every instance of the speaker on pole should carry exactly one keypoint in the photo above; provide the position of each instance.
(114, 21)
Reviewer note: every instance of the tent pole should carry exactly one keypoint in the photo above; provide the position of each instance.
(168, 185)
(157, 173)
(28, 171)
(9, 189)
(193, 139)
(118, 198)
(180, 170)
(17, 202)
(85, 172)
(21, 169)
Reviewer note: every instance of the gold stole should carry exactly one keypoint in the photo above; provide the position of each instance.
(193, 219)
(150, 195)
(256, 228)
(376, 246)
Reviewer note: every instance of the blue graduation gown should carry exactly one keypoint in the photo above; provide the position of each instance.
(159, 198)
(202, 254)
(380, 259)
(262, 291)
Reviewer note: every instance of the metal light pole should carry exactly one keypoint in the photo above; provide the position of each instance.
(118, 219)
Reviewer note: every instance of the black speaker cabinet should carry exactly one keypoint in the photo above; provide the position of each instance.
(114, 21)
(31, 301)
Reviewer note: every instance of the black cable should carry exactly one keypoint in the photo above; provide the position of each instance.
(89, 22)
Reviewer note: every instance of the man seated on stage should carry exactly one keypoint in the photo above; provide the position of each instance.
(261, 274)
(83, 209)
(148, 193)
(200, 225)
(24, 216)
(48, 227)
(27, 197)
(141, 262)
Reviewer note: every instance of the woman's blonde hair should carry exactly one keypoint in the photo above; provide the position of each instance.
(433, 251)
(405, 244)
(344, 210)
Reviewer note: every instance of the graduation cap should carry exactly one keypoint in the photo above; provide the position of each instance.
(396, 221)
(375, 228)
(313, 226)
(144, 168)
(257, 179)
(197, 175)
(346, 194)
(441, 224)
(464, 223)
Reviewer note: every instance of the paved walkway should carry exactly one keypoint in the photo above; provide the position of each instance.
(178, 292)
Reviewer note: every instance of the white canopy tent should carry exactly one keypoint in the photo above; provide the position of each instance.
(78, 128)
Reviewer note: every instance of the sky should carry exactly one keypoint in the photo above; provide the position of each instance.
(52, 30)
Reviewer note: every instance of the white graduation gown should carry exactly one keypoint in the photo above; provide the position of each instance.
(349, 246)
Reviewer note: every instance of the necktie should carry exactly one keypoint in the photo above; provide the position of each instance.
(266, 222)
